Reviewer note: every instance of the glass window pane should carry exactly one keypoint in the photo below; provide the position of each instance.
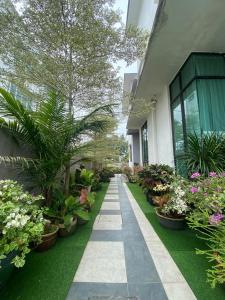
(188, 71)
(211, 97)
(178, 127)
(175, 88)
(209, 65)
(144, 134)
(191, 109)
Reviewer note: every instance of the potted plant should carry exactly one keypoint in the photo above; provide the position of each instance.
(66, 215)
(48, 238)
(172, 213)
(21, 224)
(152, 176)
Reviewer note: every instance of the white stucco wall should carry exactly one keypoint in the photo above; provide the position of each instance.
(136, 148)
(164, 129)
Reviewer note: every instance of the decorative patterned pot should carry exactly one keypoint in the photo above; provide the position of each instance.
(48, 240)
(171, 223)
(63, 232)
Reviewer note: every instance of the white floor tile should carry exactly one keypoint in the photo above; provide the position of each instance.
(110, 206)
(102, 262)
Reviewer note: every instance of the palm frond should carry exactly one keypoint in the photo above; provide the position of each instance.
(17, 160)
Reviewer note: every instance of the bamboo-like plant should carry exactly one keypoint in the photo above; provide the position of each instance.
(52, 135)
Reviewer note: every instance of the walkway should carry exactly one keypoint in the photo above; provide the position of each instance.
(124, 258)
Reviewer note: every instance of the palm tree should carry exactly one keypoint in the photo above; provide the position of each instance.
(52, 134)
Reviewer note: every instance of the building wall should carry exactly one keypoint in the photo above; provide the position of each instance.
(164, 129)
(8, 147)
(136, 148)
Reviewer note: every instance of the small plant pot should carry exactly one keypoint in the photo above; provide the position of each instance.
(169, 222)
(81, 221)
(149, 198)
(63, 232)
(6, 268)
(48, 240)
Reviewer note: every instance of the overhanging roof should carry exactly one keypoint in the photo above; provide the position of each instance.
(180, 28)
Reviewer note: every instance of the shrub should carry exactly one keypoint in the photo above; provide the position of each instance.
(153, 175)
(105, 175)
(21, 221)
(205, 153)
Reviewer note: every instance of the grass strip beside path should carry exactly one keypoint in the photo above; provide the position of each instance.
(48, 275)
(181, 246)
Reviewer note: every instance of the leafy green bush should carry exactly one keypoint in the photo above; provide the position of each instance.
(205, 153)
(153, 175)
(21, 221)
(105, 175)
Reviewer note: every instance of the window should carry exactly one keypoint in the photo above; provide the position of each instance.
(197, 99)
(130, 150)
(144, 137)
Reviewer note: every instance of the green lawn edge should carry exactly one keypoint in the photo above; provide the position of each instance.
(48, 275)
(181, 246)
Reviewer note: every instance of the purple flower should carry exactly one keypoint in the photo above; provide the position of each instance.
(222, 174)
(216, 218)
(212, 174)
(195, 175)
(193, 189)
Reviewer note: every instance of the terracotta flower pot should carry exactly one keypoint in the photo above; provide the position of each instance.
(170, 222)
(48, 240)
(63, 232)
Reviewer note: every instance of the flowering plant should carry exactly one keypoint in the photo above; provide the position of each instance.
(207, 197)
(162, 188)
(21, 221)
(177, 205)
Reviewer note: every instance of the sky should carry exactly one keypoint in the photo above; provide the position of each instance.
(122, 5)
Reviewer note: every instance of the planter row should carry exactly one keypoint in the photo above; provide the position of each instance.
(48, 240)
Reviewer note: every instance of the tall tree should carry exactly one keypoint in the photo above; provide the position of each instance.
(71, 46)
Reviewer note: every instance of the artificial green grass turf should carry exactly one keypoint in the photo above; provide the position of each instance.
(48, 275)
(181, 246)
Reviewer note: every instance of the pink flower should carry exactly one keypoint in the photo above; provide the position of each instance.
(212, 174)
(216, 218)
(222, 174)
(195, 175)
(193, 189)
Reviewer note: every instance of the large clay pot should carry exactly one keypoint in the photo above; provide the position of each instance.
(6, 268)
(169, 222)
(63, 232)
(48, 240)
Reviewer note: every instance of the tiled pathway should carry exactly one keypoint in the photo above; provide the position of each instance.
(124, 258)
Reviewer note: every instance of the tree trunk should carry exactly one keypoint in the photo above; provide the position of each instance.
(67, 179)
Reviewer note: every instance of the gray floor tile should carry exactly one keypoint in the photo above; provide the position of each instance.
(111, 200)
(106, 235)
(109, 212)
(83, 291)
(153, 291)
(139, 264)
